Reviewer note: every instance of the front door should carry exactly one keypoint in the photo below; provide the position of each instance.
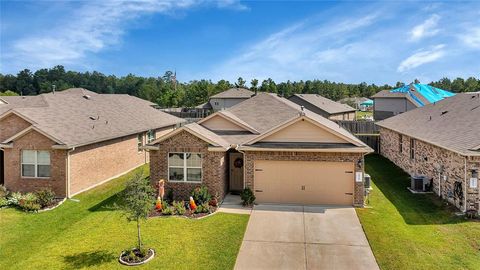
(236, 171)
(1, 167)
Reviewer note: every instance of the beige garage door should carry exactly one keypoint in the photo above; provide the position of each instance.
(304, 182)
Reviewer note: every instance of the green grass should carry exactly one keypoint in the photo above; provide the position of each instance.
(413, 231)
(90, 234)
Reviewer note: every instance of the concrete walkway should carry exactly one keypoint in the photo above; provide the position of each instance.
(233, 204)
(304, 237)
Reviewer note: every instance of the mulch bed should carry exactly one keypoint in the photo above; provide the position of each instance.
(188, 214)
(55, 203)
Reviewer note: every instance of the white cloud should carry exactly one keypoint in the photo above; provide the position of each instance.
(472, 38)
(427, 29)
(300, 49)
(232, 4)
(93, 27)
(421, 58)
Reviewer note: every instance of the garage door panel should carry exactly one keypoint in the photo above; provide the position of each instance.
(304, 182)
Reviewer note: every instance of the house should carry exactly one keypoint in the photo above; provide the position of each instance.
(442, 141)
(392, 102)
(359, 103)
(75, 139)
(226, 99)
(283, 152)
(324, 106)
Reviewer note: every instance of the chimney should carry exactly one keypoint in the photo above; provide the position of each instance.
(256, 91)
(53, 88)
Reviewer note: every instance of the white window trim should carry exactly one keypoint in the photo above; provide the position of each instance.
(35, 165)
(139, 146)
(150, 132)
(184, 167)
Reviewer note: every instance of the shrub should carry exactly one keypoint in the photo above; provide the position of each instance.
(169, 196)
(45, 197)
(3, 192)
(4, 202)
(179, 207)
(203, 208)
(247, 196)
(201, 195)
(29, 206)
(169, 210)
(14, 198)
(29, 202)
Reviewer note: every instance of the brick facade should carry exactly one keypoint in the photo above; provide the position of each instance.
(93, 164)
(214, 166)
(11, 125)
(436, 163)
(90, 165)
(58, 160)
(251, 156)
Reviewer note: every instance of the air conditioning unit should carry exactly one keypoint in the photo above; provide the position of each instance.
(420, 183)
(367, 181)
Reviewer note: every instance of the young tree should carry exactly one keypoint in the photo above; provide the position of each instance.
(138, 201)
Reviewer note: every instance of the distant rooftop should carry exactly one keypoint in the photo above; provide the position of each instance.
(419, 94)
(325, 104)
(234, 93)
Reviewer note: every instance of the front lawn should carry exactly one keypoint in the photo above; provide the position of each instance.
(90, 234)
(412, 231)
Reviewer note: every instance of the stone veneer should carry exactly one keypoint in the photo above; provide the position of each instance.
(214, 166)
(428, 158)
(251, 156)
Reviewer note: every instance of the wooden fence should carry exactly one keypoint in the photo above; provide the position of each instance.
(366, 131)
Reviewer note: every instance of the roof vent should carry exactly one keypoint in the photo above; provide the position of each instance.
(444, 112)
(87, 97)
(302, 113)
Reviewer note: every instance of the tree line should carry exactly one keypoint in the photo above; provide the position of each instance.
(166, 91)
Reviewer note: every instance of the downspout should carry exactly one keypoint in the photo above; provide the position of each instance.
(68, 192)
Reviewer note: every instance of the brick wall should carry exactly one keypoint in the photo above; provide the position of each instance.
(11, 125)
(251, 156)
(93, 164)
(35, 141)
(214, 166)
(427, 161)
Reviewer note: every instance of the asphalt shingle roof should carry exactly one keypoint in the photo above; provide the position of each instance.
(452, 123)
(78, 117)
(325, 104)
(234, 93)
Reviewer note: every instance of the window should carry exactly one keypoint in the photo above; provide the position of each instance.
(400, 143)
(139, 142)
(150, 136)
(412, 149)
(186, 167)
(35, 164)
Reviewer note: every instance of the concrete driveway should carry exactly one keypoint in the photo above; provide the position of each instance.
(304, 237)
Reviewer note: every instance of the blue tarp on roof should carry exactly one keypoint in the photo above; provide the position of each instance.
(367, 103)
(430, 93)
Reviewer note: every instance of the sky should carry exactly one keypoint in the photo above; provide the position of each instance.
(349, 41)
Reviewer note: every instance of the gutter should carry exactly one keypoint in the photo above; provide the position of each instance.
(465, 182)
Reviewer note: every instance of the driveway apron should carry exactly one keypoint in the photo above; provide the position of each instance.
(304, 237)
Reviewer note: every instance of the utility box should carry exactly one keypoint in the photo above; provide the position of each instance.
(367, 181)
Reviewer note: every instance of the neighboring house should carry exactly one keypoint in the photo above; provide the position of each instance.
(284, 153)
(359, 103)
(75, 139)
(226, 99)
(324, 106)
(441, 141)
(388, 103)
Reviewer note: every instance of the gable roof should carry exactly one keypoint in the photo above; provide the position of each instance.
(418, 94)
(78, 117)
(453, 123)
(199, 132)
(234, 93)
(325, 104)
